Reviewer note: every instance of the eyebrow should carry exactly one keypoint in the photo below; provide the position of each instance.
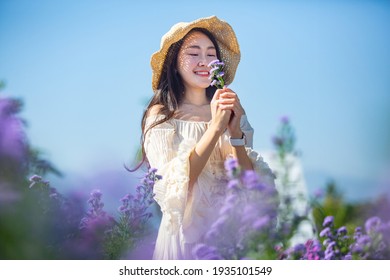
(198, 47)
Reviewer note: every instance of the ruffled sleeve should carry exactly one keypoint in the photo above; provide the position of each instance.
(248, 131)
(260, 166)
(170, 157)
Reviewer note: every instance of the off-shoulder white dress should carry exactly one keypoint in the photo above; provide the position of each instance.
(187, 216)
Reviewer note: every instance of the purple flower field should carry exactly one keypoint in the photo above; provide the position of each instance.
(256, 221)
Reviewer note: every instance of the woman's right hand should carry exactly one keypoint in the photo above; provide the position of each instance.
(219, 118)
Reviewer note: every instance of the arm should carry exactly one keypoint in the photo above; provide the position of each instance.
(241, 155)
(202, 152)
(230, 101)
(205, 146)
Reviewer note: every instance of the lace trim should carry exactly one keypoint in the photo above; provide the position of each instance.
(175, 183)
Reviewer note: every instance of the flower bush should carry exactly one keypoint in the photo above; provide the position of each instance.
(370, 243)
(256, 222)
(248, 213)
(37, 222)
(134, 214)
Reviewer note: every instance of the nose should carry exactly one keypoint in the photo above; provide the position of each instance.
(202, 61)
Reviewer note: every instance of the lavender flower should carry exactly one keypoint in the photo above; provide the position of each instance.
(232, 167)
(328, 221)
(313, 250)
(361, 246)
(34, 180)
(261, 222)
(134, 209)
(300, 249)
(53, 194)
(285, 119)
(347, 257)
(326, 232)
(216, 73)
(319, 193)
(384, 229)
(96, 203)
(329, 255)
(337, 245)
(95, 217)
(12, 138)
(284, 140)
(204, 252)
(342, 231)
(357, 233)
(251, 180)
(133, 216)
(249, 210)
(233, 184)
(372, 224)
(364, 240)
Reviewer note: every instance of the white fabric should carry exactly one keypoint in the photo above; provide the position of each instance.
(187, 216)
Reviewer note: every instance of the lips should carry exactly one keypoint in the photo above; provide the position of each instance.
(202, 73)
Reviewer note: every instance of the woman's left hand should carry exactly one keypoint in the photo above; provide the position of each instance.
(228, 100)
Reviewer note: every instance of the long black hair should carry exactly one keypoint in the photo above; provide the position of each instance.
(169, 93)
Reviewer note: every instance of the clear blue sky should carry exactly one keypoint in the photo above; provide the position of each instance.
(82, 68)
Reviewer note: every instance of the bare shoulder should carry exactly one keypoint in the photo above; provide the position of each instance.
(154, 110)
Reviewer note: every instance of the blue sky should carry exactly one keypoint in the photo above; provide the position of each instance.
(82, 68)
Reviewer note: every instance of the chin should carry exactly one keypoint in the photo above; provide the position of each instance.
(200, 84)
(204, 85)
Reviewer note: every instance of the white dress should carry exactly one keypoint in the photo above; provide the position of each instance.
(187, 216)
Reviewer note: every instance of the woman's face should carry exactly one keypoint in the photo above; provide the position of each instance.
(195, 54)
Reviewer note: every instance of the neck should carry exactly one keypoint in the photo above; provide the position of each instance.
(195, 97)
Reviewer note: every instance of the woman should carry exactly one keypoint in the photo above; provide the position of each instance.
(190, 129)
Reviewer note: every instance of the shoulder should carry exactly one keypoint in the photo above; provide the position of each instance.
(154, 110)
(154, 119)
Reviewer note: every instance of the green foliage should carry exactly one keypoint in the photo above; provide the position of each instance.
(349, 214)
(37, 164)
(118, 240)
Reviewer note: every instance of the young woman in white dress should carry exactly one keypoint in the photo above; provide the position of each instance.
(190, 128)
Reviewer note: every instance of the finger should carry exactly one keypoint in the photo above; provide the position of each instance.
(226, 106)
(229, 94)
(227, 89)
(237, 111)
(230, 97)
(238, 106)
(226, 100)
(217, 94)
(235, 98)
(229, 101)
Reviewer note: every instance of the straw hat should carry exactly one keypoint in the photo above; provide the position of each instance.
(223, 33)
